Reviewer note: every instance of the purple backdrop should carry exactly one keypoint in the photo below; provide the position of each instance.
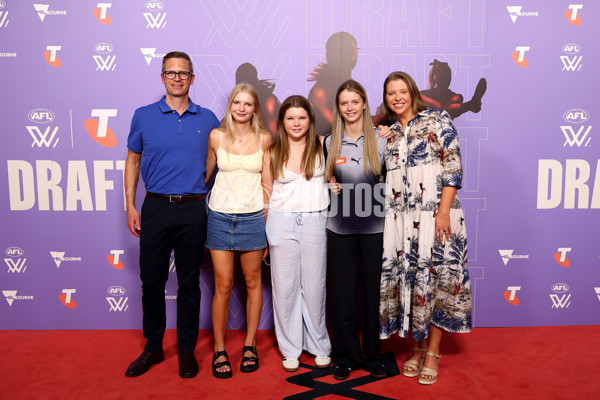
(74, 72)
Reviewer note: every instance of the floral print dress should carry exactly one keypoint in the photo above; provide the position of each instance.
(423, 281)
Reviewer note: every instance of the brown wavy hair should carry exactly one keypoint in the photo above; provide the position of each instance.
(415, 96)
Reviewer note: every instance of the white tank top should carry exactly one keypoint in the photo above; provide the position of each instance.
(293, 193)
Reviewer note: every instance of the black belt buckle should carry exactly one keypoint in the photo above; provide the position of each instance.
(175, 198)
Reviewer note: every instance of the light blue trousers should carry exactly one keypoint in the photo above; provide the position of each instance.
(297, 247)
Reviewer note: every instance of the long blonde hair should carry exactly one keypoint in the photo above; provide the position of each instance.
(256, 122)
(372, 162)
(312, 156)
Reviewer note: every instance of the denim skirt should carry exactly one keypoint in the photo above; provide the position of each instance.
(242, 232)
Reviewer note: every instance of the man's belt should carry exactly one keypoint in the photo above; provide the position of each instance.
(175, 198)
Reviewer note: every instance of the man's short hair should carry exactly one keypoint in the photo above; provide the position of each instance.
(177, 54)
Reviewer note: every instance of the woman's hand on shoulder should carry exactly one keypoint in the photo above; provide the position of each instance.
(385, 132)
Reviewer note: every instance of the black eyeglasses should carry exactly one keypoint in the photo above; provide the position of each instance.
(183, 75)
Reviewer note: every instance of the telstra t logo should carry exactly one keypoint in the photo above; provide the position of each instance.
(519, 56)
(511, 295)
(66, 298)
(113, 259)
(561, 257)
(51, 57)
(98, 128)
(101, 14)
(571, 14)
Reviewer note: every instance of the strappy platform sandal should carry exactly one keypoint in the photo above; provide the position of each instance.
(429, 371)
(254, 359)
(215, 367)
(416, 365)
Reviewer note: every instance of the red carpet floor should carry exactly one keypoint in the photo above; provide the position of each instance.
(489, 363)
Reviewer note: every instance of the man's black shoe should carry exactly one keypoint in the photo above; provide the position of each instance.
(143, 363)
(378, 371)
(341, 372)
(188, 366)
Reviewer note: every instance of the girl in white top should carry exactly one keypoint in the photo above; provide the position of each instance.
(235, 219)
(293, 177)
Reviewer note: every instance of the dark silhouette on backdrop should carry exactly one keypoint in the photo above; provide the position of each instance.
(247, 73)
(341, 52)
(439, 94)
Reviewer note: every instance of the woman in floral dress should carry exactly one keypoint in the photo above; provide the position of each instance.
(425, 286)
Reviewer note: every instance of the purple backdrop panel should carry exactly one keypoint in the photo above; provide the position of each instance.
(519, 78)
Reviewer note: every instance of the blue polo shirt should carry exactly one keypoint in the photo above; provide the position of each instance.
(173, 147)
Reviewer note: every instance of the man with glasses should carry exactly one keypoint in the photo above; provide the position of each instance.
(168, 144)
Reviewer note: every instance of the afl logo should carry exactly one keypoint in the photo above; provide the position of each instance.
(560, 288)
(104, 48)
(41, 116)
(14, 251)
(576, 116)
(571, 48)
(154, 5)
(116, 290)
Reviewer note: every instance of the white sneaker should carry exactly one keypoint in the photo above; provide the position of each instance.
(322, 361)
(291, 364)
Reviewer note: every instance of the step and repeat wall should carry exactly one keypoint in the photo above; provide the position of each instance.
(520, 80)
